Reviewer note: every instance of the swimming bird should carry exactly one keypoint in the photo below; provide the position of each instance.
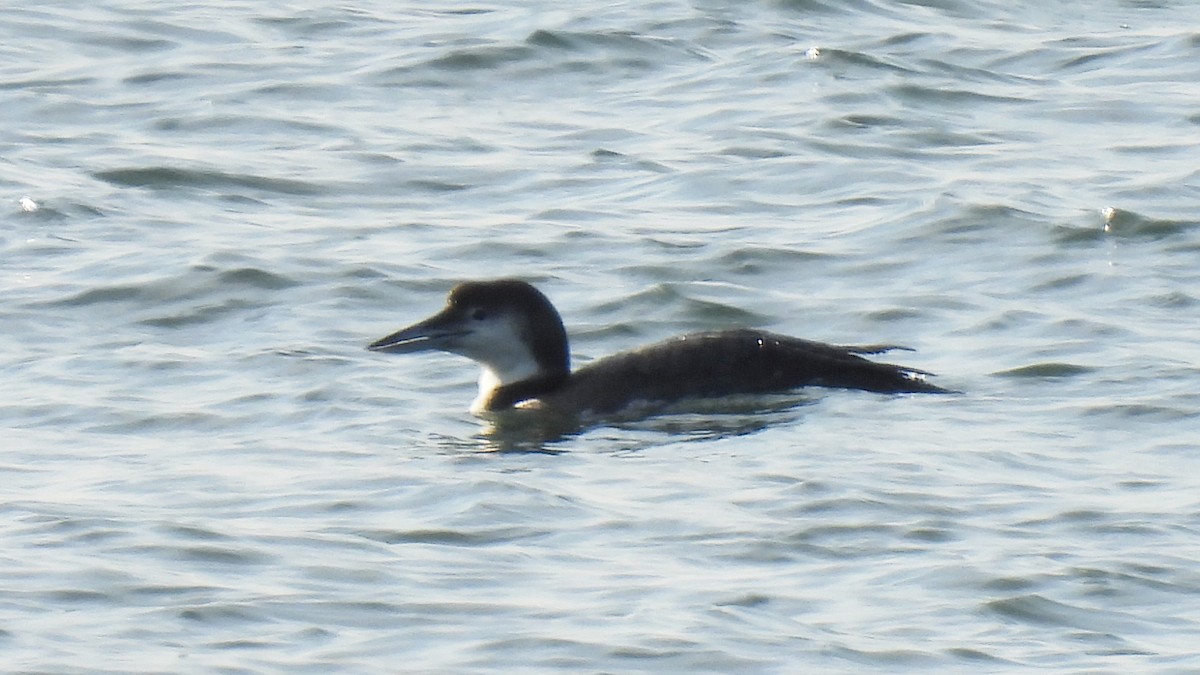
(514, 332)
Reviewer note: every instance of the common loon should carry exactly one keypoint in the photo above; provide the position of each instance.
(513, 331)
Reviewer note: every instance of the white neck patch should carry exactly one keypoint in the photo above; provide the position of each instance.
(490, 381)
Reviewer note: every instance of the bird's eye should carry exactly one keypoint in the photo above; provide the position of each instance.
(479, 314)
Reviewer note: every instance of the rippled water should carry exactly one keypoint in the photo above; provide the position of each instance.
(211, 209)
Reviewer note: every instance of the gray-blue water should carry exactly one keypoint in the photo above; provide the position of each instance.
(210, 208)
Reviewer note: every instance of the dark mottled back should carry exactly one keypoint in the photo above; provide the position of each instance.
(731, 362)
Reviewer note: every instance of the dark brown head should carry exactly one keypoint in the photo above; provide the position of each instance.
(506, 325)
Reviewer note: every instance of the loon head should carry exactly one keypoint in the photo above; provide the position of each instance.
(506, 326)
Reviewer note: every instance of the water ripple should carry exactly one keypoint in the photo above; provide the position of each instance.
(208, 219)
(166, 177)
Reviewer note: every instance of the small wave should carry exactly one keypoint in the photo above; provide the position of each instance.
(198, 282)
(449, 537)
(482, 58)
(1045, 370)
(1124, 223)
(252, 277)
(169, 177)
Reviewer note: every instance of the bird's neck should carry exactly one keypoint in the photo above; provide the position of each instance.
(495, 394)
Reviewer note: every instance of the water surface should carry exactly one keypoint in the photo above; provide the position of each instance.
(210, 210)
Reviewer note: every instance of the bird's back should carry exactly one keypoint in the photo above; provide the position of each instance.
(710, 364)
